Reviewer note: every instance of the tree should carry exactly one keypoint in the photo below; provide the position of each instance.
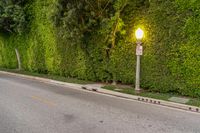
(12, 16)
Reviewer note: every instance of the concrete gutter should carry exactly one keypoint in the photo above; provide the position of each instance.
(146, 99)
(108, 92)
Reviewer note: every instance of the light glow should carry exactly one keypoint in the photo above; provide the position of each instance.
(139, 33)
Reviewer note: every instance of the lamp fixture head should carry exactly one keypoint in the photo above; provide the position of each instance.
(139, 33)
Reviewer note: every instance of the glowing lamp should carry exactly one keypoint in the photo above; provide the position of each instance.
(139, 34)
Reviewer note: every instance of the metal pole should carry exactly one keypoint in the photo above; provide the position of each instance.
(137, 81)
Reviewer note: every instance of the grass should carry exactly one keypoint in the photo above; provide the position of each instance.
(132, 92)
(49, 76)
(161, 96)
(194, 102)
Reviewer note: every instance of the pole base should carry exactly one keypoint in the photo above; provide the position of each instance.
(137, 91)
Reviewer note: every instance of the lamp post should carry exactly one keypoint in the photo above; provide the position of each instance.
(139, 51)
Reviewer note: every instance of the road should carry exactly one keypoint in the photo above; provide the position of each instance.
(28, 106)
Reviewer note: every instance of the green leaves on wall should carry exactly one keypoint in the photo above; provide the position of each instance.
(93, 40)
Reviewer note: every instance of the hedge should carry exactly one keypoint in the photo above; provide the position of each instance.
(171, 59)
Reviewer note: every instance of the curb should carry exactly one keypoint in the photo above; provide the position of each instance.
(45, 80)
(108, 92)
(146, 100)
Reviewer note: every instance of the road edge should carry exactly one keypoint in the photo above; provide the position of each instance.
(108, 92)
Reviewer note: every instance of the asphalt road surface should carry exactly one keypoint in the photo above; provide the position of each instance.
(28, 106)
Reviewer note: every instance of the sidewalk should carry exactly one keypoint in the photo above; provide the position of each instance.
(97, 88)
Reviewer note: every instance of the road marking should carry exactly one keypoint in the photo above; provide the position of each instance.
(42, 100)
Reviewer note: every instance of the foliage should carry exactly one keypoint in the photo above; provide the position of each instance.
(12, 16)
(92, 40)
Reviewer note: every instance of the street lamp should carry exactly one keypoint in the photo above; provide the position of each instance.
(139, 34)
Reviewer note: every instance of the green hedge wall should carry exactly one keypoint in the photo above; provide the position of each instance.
(171, 59)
